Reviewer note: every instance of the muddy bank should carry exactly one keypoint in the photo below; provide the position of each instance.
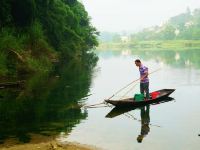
(40, 142)
(51, 145)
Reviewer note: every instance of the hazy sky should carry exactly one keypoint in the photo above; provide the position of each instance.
(131, 15)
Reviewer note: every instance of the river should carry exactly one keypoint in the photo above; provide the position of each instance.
(49, 106)
(173, 125)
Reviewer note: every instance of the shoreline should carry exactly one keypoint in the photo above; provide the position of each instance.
(40, 142)
(50, 145)
(158, 45)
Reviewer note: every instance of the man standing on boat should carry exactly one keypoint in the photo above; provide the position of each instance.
(144, 80)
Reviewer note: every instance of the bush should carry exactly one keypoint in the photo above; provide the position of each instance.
(3, 67)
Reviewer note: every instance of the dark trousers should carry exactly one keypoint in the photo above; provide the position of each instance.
(144, 88)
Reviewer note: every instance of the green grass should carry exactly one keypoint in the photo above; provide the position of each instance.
(3, 67)
(24, 52)
(39, 65)
(9, 41)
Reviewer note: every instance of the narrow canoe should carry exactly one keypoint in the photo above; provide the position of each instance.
(129, 102)
(117, 111)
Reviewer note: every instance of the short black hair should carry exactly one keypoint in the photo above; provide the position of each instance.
(138, 61)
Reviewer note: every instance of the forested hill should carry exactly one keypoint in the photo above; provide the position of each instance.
(185, 26)
(36, 33)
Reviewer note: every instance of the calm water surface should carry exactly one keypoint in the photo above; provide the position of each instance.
(48, 105)
(178, 120)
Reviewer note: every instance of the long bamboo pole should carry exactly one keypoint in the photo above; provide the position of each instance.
(132, 83)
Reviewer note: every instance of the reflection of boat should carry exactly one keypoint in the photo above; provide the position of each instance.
(116, 111)
(144, 113)
(129, 102)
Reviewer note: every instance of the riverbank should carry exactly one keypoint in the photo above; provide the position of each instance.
(151, 45)
(32, 42)
(51, 145)
(40, 142)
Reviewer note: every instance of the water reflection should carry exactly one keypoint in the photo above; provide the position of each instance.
(175, 58)
(145, 120)
(48, 104)
(116, 70)
(144, 114)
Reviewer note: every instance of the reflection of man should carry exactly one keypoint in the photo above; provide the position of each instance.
(145, 119)
(144, 80)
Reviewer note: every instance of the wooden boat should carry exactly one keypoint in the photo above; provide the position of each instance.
(117, 111)
(130, 102)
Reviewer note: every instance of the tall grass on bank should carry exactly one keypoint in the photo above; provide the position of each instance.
(24, 51)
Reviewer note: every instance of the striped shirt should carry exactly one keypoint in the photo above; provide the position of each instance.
(143, 70)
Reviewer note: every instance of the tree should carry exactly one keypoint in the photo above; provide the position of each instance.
(23, 12)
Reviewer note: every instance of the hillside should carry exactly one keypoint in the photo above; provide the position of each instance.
(185, 26)
(34, 34)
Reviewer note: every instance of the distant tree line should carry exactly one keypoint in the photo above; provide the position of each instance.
(185, 26)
